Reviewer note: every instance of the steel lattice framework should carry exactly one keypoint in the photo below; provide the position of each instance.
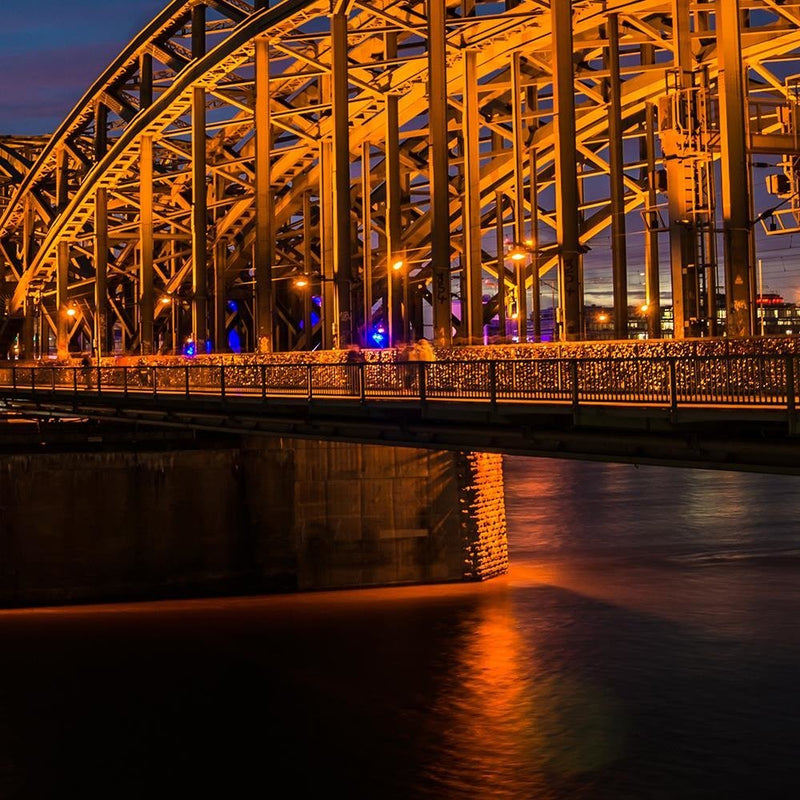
(395, 154)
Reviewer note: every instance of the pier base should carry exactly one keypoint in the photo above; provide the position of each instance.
(100, 523)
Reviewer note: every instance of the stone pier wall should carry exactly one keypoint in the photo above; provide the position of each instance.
(265, 515)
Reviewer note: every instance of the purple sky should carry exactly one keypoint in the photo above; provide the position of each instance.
(52, 50)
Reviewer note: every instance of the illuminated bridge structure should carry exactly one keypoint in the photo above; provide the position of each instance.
(282, 176)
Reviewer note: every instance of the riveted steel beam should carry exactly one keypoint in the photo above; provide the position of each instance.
(439, 172)
(263, 243)
(146, 243)
(735, 172)
(472, 279)
(570, 288)
(619, 259)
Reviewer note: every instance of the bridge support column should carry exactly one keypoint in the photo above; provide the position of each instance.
(262, 250)
(619, 267)
(29, 328)
(199, 191)
(62, 300)
(397, 316)
(520, 265)
(342, 202)
(101, 273)
(652, 279)
(679, 125)
(570, 289)
(330, 328)
(439, 173)
(735, 173)
(146, 243)
(472, 261)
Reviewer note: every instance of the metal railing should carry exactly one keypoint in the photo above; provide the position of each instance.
(759, 380)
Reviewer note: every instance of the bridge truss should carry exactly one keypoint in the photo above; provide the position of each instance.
(296, 173)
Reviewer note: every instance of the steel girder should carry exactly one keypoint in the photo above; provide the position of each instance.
(231, 149)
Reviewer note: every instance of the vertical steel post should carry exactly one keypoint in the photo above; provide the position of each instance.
(499, 231)
(366, 237)
(62, 184)
(519, 196)
(146, 303)
(62, 299)
(220, 307)
(735, 171)
(619, 266)
(199, 190)
(101, 238)
(330, 326)
(439, 177)
(652, 278)
(29, 332)
(101, 272)
(472, 299)
(570, 291)
(342, 204)
(145, 80)
(536, 294)
(307, 259)
(681, 187)
(397, 326)
(29, 328)
(262, 248)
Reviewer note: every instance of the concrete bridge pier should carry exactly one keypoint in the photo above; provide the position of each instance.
(367, 514)
(118, 520)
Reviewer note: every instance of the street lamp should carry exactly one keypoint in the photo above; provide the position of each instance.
(518, 252)
(395, 268)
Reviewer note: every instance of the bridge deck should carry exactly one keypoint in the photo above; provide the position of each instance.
(733, 412)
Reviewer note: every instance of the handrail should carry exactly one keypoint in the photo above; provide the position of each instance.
(756, 380)
(671, 381)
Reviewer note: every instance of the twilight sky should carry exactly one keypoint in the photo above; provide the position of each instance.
(51, 50)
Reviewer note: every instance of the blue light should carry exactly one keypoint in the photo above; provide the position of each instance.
(233, 306)
(234, 341)
(378, 337)
(190, 349)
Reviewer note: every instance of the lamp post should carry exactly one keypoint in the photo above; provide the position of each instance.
(395, 267)
(519, 254)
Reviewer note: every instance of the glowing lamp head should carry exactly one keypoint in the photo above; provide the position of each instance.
(301, 282)
(398, 265)
(71, 312)
(517, 253)
(165, 301)
(603, 317)
(645, 308)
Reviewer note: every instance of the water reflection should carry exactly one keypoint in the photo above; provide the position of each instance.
(511, 725)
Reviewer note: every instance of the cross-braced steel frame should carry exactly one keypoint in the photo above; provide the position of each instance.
(301, 171)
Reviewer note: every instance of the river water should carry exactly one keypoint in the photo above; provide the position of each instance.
(645, 644)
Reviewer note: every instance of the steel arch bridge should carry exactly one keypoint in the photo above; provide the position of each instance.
(298, 172)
